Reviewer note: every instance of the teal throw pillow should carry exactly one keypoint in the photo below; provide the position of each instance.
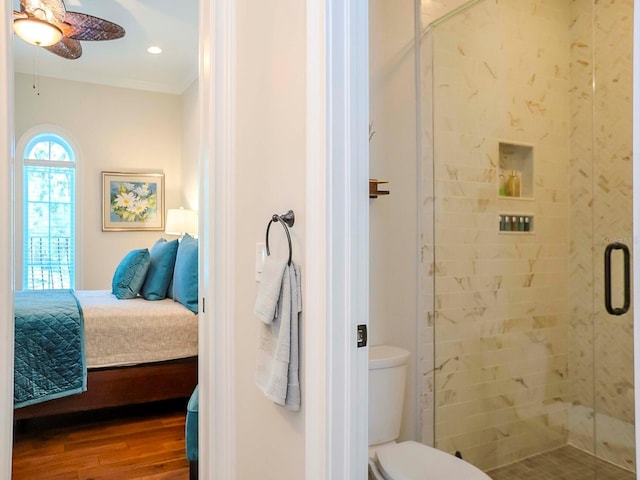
(185, 274)
(163, 259)
(130, 274)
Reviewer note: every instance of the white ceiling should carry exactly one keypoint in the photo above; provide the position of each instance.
(124, 62)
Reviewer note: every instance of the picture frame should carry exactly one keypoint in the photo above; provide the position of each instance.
(132, 201)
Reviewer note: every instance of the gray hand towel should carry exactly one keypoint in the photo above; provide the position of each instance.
(292, 401)
(269, 290)
(277, 360)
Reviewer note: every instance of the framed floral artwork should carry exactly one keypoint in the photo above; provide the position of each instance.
(132, 201)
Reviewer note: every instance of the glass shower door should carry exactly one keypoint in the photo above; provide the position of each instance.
(528, 182)
(613, 345)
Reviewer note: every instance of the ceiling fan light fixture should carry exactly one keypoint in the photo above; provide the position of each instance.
(37, 32)
(154, 50)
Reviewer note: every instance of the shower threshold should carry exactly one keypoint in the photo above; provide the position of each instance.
(565, 463)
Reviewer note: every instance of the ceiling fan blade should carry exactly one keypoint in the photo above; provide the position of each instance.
(17, 15)
(66, 48)
(88, 27)
(49, 10)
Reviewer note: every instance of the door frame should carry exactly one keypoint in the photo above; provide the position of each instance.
(7, 151)
(337, 282)
(216, 362)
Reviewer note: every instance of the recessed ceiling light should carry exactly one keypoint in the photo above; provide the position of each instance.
(154, 50)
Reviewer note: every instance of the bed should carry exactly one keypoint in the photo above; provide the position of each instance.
(120, 351)
(136, 351)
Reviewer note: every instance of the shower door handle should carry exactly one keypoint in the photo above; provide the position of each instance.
(607, 279)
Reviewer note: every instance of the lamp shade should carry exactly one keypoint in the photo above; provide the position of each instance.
(37, 32)
(181, 221)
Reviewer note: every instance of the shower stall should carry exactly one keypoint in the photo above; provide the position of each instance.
(525, 230)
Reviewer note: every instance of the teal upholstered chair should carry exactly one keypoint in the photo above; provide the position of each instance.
(191, 434)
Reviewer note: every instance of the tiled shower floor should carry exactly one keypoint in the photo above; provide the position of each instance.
(566, 463)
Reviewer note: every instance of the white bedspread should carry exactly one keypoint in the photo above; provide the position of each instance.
(126, 332)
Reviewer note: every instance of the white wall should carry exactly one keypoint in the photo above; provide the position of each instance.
(117, 129)
(270, 173)
(393, 218)
(190, 147)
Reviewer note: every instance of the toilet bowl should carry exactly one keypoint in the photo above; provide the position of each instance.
(412, 461)
(405, 460)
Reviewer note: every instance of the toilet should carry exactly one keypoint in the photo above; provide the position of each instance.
(408, 460)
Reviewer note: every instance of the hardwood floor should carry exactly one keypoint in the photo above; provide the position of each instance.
(135, 443)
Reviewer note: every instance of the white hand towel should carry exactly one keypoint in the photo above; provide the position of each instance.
(277, 361)
(269, 290)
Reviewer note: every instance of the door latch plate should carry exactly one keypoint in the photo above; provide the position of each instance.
(362, 336)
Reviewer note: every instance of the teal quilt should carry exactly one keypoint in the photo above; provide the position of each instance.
(49, 346)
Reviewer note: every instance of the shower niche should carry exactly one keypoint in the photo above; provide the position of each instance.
(515, 175)
(515, 222)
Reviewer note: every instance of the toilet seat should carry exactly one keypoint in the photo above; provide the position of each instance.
(415, 461)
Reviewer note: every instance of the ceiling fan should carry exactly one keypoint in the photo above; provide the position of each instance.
(48, 24)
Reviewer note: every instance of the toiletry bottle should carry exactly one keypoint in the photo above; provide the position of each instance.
(502, 183)
(514, 224)
(521, 224)
(506, 223)
(527, 225)
(513, 185)
(499, 222)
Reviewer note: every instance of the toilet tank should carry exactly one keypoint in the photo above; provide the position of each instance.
(387, 377)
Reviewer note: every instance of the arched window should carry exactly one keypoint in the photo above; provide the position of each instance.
(48, 213)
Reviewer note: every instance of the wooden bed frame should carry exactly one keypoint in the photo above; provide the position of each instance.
(119, 386)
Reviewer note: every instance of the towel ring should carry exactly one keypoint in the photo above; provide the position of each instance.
(288, 219)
